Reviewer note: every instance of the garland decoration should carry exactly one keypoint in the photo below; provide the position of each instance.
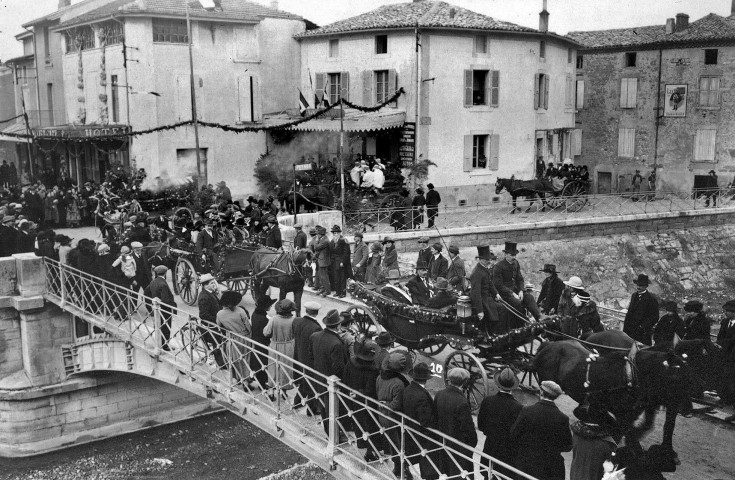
(11, 119)
(104, 111)
(82, 112)
(392, 99)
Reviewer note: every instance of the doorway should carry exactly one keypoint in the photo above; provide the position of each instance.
(604, 182)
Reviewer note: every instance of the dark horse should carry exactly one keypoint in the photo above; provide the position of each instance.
(283, 270)
(310, 197)
(525, 188)
(625, 383)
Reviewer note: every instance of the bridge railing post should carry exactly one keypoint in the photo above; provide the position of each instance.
(192, 341)
(157, 322)
(333, 434)
(62, 282)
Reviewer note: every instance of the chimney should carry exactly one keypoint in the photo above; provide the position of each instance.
(543, 20)
(682, 22)
(66, 3)
(671, 26)
(274, 4)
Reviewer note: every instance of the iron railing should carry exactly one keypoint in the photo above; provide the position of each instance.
(247, 372)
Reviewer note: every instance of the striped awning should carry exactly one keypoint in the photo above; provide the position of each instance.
(16, 128)
(354, 121)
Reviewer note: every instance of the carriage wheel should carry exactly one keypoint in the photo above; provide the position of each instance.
(575, 196)
(390, 201)
(476, 387)
(239, 285)
(365, 320)
(433, 350)
(525, 355)
(554, 201)
(186, 281)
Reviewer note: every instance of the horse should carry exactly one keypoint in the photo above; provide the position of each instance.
(524, 188)
(275, 268)
(625, 383)
(311, 197)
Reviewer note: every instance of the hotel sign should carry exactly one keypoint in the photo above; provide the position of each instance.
(89, 131)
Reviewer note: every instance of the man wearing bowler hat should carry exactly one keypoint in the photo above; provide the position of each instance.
(551, 290)
(454, 419)
(483, 293)
(205, 245)
(642, 312)
(496, 417)
(303, 328)
(299, 240)
(508, 280)
(438, 265)
(159, 289)
(424, 251)
(339, 252)
(416, 403)
(433, 199)
(321, 251)
(418, 285)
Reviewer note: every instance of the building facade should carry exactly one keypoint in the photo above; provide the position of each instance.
(493, 97)
(657, 99)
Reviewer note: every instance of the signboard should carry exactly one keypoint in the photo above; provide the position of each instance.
(407, 144)
(304, 167)
(89, 131)
(675, 101)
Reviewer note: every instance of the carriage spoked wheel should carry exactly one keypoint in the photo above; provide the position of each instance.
(476, 387)
(574, 194)
(433, 350)
(555, 201)
(525, 354)
(365, 321)
(186, 281)
(239, 285)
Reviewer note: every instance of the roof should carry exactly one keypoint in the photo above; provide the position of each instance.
(231, 10)
(21, 59)
(354, 121)
(425, 14)
(16, 128)
(712, 28)
(55, 15)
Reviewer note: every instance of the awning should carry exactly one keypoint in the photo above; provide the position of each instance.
(16, 128)
(354, 121)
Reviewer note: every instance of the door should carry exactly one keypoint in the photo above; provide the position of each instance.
(604, 182)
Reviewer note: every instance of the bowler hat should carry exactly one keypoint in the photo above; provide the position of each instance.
(420, 372)
(332, 318)
(574, 282)
(549, 268)
(437, 246)
(206, 278)
(346, 316)
(511, 248)
(642, 280)
(552, 389)
(506, 379)
(484, 253)
(693, 306)
(384, 339)
(251, 199)
(729, 306)
(712, 172)
(387, 240)
(285, 306)
(429, 186)
(442, 284)
(366, 350)
(336, 229)
(453, 249)
(230, 298)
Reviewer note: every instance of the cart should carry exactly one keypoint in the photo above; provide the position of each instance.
(572, 197)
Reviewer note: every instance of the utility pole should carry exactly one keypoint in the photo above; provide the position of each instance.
(201, 173)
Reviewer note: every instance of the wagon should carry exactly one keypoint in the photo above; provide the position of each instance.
(430, 332)
(572, 197)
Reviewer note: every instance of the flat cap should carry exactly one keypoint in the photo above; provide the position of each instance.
(552, 389)
(136, 245)
(312, 307)
(161, 269)
(458, 375)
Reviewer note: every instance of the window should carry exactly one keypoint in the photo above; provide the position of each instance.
(46, 47)
(479, 146)
(113, 31)
(115, 99)
(381, 44)
(626, 142)
(710, 56)
(704, 145)
(580, 61)
(381, 86)
(709, 91)
(79, 38)
(580, 95)
(247, 89)
(481, 44)
(50, 102)
(541, 92)
(630, 59)
(481, 151)
(482, 87)
(569, 97)
(170, 31)
(333, 48)
(628, 92)
(542, 49)
(570, 55)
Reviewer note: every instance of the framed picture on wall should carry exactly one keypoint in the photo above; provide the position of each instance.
(675, 101)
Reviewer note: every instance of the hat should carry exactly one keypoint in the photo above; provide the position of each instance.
(251, 199)
(62, 239)
(453, 249)
(312, 307)
(712, 172)
(421, 264)
(437, 246)
(420, 372)
(384, 339)
(358, 235)
(285, 306)
(574, 282)
(336, 228)
(206, 278)
(729, 306)
(429, 186)
(393, 274)
(458, 376)
(394, 362)
(484, 253)
(669, 306)
(312, 231)
(320, 229)
(549, 268)
(346, 316)
(424, 240)
(551, 389)
(161, 270)
(366, 350)
(387, 240)
(332, 318)
(511, 248)
(136, 245)
(230, 298)
(8, 219)
(506, 379)
(103, 248)
(693, 306)
(642, 280)
(128, 224)
(420, 190)
(270, 219)
(125, 249)
(264, 302)
(583, 295)
(298, 226)
(441, 284)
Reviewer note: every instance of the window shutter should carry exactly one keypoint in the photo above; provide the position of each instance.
(577, 141)
(626, 142)
(243, 99)
(344, 80)
(623, 93)
(255, 98)
(468, 88)
(632, 92)
(704, 145)
(495, 88)
(546, 92)
(714, 87)
(367, 88)
(536, 91)
(319, 91)
(494, 152)
(392, 86)
(580, 94)
(183, 98)
(467, 164)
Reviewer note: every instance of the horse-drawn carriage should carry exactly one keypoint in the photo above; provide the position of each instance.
(559, 194)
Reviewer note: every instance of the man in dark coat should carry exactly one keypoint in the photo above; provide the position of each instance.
(541, 433)
(321, 251)
(339, 253)
(495, 419)
(303, 327)
(483, 293)
(456, 274)
(454, 419)
(551, 288)
(360, 258)
(142, 267)
(418, 286)
(726, 340)
(8, 237)
(416, 403)
(205, 246)
(696, 323)
(208, 304)
(418, 203)
(642, 312)
(508, 280)
(329, 355)
(668, 325)
(300, 240)
(433, 199)
(259, 358)
(159, 289)
(443, 297)
(273, 233)
(424, 251)
(438, 265)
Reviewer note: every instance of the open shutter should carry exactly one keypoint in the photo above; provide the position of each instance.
(367, 88)
(319, 90)
(536, 91)
(467, 164)
(632, 92)
(344, 80)
(714, 87)
(580, 94)
(468, 88)
(577, 141)
(621, 142)
(494, 88)
(546, 92)
(392, 86)
(255, 99)
(244, 99)
(494, 152)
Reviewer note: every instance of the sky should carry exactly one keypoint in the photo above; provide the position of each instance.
(566, 15)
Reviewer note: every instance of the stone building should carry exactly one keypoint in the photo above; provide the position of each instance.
(484, 98)
(658, 98)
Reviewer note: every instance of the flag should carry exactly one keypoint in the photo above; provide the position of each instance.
(325, 95)
(316, 101)
(303, 104)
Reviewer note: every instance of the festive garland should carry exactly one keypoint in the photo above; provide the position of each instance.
(392, 99)
(388, 307)
(11, 119)
(520, 336)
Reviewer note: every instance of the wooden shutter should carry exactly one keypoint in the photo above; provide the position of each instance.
(626, 142)
(632, 92)
(255, 98)
(494, 152)
(243, 99)
(494, 88)
(704, 145)
(319, 90)
(577, 141)
(467, 163)
(392, 86)
(344, 85)
(468, 88)
(536, 91)
(546, 92)
(580, 94)
(367, 88)
(623, 93)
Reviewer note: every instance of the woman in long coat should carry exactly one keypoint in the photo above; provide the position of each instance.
(390, 255)
(259, 358)
(361, 374)
(235, 319)
(375, 260)
(280, 331)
